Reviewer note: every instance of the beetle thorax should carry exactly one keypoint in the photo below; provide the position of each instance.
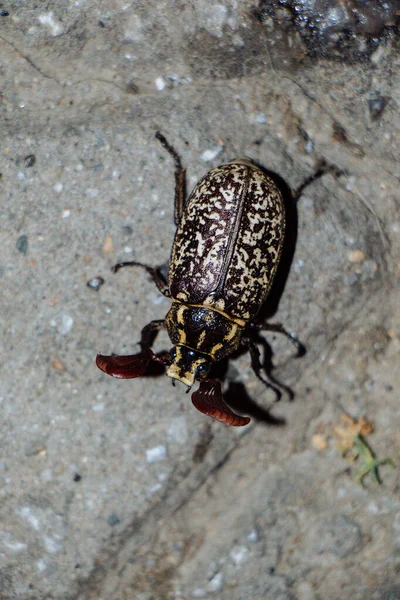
(207, 333)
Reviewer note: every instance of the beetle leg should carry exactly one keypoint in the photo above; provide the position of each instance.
(154, 273)
(149, 333)
(180, 178)
(323, 167)
(258, 367)
(278, 328)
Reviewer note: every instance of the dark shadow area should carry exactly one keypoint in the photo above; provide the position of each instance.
(238, 399)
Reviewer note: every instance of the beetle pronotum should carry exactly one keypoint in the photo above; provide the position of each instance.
(227, 247)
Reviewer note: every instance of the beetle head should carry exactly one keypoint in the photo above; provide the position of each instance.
(188, 365)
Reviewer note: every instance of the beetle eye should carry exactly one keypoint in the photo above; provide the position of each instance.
(202, 370)
(172, 353)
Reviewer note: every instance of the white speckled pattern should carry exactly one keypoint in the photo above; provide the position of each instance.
(228, 244)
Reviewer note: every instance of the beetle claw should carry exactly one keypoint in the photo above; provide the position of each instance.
(208, 400)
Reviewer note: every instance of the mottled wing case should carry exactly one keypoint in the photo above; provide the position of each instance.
(228, 243)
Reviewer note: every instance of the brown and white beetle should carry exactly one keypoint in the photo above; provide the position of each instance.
(227, 247)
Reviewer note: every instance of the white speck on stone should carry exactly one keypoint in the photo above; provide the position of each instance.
(395, 227)
(214, 18)
(47, 475)
(128, 250)
(260, 118)
(66, 325)
(237, 40)
(308, 147)
(298, 265)
(372, 508)
(92, 192)
(154, 489)
(239, 555)
(58, 187)
(215, 584)
(14, 546)
(66, 213)
(41, 565)
(107, 310)
(305, 591)
(379, 53)
(21, 176)
(79, 167)
(53, 323)
(27, 514)
(133, 27)
(160, 83)
(51, 544)
(98, 407)
(209, 155)
(252, 536)
(156, 454)
(116, 174)
(22, 105)
(128, 57)
(177, 430)
(55, 26)
(199, 593)
(350, 183)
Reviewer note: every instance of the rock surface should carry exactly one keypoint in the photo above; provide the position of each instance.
(120, 489)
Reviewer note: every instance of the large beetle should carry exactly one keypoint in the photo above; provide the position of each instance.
(227, 247)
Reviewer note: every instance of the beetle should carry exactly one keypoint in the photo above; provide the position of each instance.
(227, 247)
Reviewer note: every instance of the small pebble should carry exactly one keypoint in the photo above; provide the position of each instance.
(95, 283)
(319, 441)
(58, 365)
(239, 555)
(29, 160)
(113, 520)
(215, 584)
(22, 244)
(356, 256)
(260, 118)
(252, 536)
(55, 26)
(66, 325)
(108, 246)
(160, 84)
